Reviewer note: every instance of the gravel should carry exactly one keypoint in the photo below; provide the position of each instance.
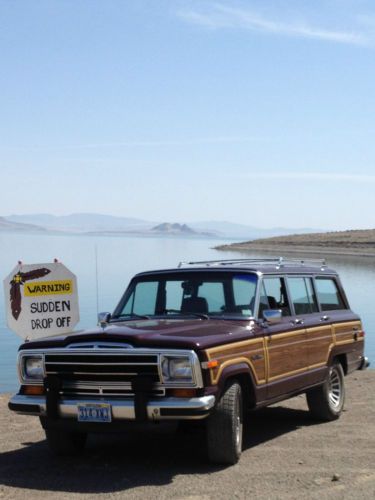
(287, 455)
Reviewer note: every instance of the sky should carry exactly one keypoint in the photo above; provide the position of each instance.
(260, 112)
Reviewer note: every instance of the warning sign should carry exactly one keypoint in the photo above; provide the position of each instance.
(49, 288)
(41, 300)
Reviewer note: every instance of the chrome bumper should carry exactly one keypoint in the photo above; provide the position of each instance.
(365, 363)
(157, 409)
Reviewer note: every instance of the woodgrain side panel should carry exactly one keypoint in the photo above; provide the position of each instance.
(320, 341)
(282, 355)
(287, 354)
(250, 352)
(347, 332)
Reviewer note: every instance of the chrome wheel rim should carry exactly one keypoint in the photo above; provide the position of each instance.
(238, 424)
(334, 389)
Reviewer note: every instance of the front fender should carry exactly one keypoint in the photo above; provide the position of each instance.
(243, 373)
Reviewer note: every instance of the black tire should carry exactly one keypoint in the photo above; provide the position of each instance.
(326, 402)
(224, 427)
(65, 443)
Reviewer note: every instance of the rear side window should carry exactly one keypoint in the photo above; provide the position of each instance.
(302, 295)
(328, 294)
(274, 296)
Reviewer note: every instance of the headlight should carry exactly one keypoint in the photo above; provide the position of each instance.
(177, 369)
(33, 367)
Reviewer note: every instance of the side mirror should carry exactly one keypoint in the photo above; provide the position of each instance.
(272, 316)
(103, 318)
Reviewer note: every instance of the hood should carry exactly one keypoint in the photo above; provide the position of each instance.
(166, 333)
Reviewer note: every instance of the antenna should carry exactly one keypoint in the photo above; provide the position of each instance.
(96, 280)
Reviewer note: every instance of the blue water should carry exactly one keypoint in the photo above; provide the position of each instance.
(119, 258)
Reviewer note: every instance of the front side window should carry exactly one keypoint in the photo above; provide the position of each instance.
(244, 287)
(213, 294)
(328, 294)
(302, 295)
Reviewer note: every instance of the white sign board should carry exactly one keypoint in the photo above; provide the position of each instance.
(41, 300)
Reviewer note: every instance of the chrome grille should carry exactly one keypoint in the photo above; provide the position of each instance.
(80, 388)
(102, 367)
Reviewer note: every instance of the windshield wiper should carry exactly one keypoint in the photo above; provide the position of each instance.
(131, 316)
(199, 315)
(178, 312)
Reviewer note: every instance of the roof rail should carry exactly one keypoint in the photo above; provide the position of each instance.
(278, 262)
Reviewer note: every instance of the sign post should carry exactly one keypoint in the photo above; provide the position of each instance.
(41, 300)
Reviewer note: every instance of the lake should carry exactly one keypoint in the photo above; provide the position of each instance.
(119, 258)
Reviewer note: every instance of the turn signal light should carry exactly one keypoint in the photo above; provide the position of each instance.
(182, 393)
(210, 364)
(33, 390)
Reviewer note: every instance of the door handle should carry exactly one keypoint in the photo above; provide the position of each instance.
(324, 318)
(298, 321)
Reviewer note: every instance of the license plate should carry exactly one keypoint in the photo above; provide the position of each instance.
(94, 412)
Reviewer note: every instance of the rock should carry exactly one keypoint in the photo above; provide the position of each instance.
(336, 477)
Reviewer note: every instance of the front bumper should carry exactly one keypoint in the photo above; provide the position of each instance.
(122, 409)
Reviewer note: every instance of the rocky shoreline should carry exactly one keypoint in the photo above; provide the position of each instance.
(350, 243)
(298, 249)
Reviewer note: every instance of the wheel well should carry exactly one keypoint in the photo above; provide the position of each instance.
(341, 358)
(246, 383)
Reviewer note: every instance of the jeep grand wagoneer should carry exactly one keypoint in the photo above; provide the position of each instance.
(206, 340)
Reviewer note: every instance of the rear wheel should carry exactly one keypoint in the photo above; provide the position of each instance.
(225, 428)
(326, 402)
(65, 443)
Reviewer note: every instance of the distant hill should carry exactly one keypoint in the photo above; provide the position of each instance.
(350, 242)
(6, 225)
(176, 229)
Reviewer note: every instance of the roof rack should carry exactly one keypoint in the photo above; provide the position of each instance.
(277, 262)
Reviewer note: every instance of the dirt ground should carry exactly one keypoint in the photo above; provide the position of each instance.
(286, 455)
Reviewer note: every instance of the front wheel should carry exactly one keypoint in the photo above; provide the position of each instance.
(224, 427)
(65, 443)
(326, 402)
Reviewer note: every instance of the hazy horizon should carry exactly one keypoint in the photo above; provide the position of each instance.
(39, 219)
(250, 224)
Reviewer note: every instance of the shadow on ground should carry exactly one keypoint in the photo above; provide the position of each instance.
(152, 457)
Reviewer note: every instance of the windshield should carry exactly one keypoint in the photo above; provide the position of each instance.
(189, 294)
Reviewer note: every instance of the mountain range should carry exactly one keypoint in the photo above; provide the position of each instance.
(98, 224)
(8, 225)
